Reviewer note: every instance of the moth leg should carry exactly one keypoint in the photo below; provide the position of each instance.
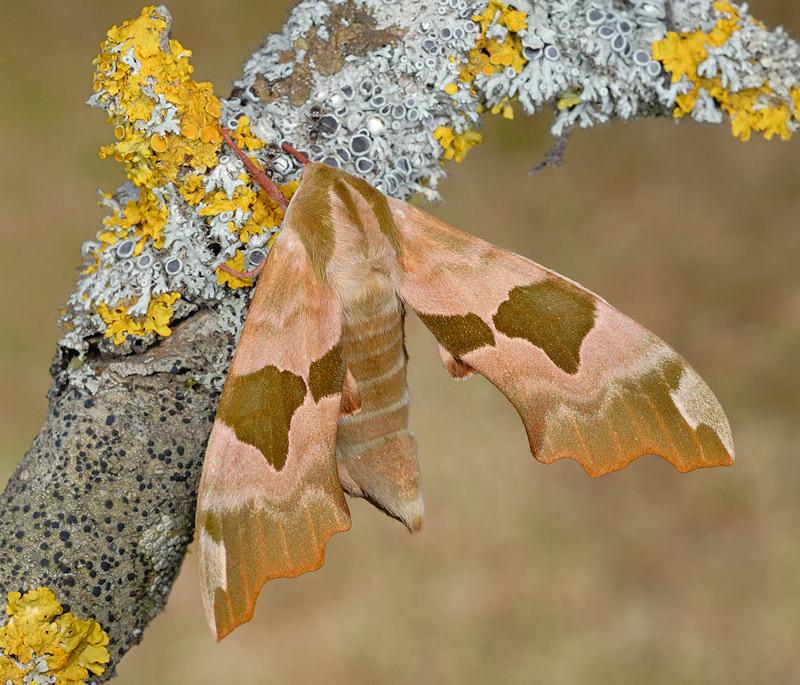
(299, 156)
(253, 273)
(258, 176)
(269, 188)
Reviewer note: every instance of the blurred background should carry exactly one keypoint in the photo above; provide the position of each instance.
(524, 573)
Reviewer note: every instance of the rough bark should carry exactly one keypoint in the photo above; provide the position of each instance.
(101, 508)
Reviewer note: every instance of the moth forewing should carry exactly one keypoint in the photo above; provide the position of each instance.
(269, 495)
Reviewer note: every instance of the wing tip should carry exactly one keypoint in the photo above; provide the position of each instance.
(223, 624)
(601, 449)
(222, 629)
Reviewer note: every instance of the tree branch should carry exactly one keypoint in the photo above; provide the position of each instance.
(101, 508)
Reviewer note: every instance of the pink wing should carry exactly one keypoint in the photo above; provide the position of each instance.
(269, 495)
(589, 383)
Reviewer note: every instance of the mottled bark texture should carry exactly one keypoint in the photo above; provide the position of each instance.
(101, 508)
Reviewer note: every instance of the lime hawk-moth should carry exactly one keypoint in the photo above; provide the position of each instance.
(316, 403)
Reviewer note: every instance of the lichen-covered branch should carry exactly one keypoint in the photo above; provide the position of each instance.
(100, 510)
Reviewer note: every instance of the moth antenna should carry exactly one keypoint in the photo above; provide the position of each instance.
(258, 176)
(253, 273)
(299, 156)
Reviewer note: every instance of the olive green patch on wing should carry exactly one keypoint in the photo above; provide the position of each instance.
(459, 334)
(259, 407)
(712, 443)
(673, 369)
(341, 191)
(672, 435)
(553, 315)
(326, 374)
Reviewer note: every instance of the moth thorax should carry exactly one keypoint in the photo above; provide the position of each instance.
(372, 297)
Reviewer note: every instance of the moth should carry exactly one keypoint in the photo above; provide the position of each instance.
(316, 403)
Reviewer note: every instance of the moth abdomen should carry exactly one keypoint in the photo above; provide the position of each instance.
(376, 450)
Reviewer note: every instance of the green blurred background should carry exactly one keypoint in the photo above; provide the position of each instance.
(524, 573)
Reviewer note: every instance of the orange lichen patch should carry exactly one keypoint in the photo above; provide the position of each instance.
(265, 214)
(569, 99)
(750, 109)
(164, 122)
(144, 82)
(152, 100)
(143, 220)
(40, 643)
(490, 55)
(120, 322)
(494, 51)
(456, 145)
(505, 107)
(216, 202)
(192, 189)
(244, 137)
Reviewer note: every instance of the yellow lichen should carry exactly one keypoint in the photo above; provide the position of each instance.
(158, 87)
(215, 203)
(192, 189)
(569, 99)
(40, 640)
(750, 109)
(456, 144)
(244, 137)
(266, 215)
(164, 122)
(119, 322)
(505, 107)
(490, 56)
(157, 91)
(153, 84)
(236, 262)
